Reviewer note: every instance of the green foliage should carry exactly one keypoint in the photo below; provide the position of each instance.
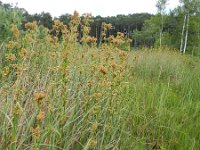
(8, 16)
(44, 19)
(125, 46)
(57, 94)
(168, 28)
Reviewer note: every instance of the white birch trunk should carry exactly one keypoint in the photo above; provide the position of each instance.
(186, 34)
(160, 38)
(182, 35)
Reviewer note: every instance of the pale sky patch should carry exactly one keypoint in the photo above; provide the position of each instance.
(99, 7)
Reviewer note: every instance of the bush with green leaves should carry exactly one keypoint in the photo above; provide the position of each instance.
(9, 15)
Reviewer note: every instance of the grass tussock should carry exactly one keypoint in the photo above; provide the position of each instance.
(57, 94)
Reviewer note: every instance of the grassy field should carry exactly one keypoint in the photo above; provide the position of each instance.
(57, 94)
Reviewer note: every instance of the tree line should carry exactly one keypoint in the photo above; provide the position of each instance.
(179, 28)
(120, 23)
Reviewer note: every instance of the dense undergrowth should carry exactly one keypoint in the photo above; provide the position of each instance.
(58, 94)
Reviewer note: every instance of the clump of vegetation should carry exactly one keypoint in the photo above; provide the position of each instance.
(77, 85)
(56, 93)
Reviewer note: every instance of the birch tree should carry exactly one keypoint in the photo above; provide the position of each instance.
(190, 7)
(161, 6)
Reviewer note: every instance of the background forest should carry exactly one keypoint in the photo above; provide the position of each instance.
(178, 28)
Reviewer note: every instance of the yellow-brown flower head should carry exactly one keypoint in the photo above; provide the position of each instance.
(11, 44)
(15, 31)
(19, 69)
(23, 53)
(10, 57)
(39, 96)
(90, 83)
(114, 74)
(54, 41)
(120, 35)
(41, 116)
(106, 26)
(54, 55)
(97, 95)
(74, 22)
(36, 132)
(114, 65)
(103, 70)
(106, 83)
(59, 26)
(29, 38)
(5, 71)
(31, 26)
(18, 109)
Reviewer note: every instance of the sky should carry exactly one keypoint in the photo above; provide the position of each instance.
(99, 7)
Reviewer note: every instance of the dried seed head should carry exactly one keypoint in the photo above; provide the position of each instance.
(23, 53)
(54, 55)
(15, 31)
(114, 65)
(18, 109)
(114, 74)
(90, 83)
(10, 57)
(11, 44)
(103, 70)
(41, 116)
(31, 25)
(106, 83)
(5, 71)
(97, 95)
(39, 96)
(36, 132)
(29, 38)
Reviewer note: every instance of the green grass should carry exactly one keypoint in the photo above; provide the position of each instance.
(98, 98)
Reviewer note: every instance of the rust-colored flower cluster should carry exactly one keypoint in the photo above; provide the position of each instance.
(39, 96)
(58, 26)
(31, 26)
(15, 31)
